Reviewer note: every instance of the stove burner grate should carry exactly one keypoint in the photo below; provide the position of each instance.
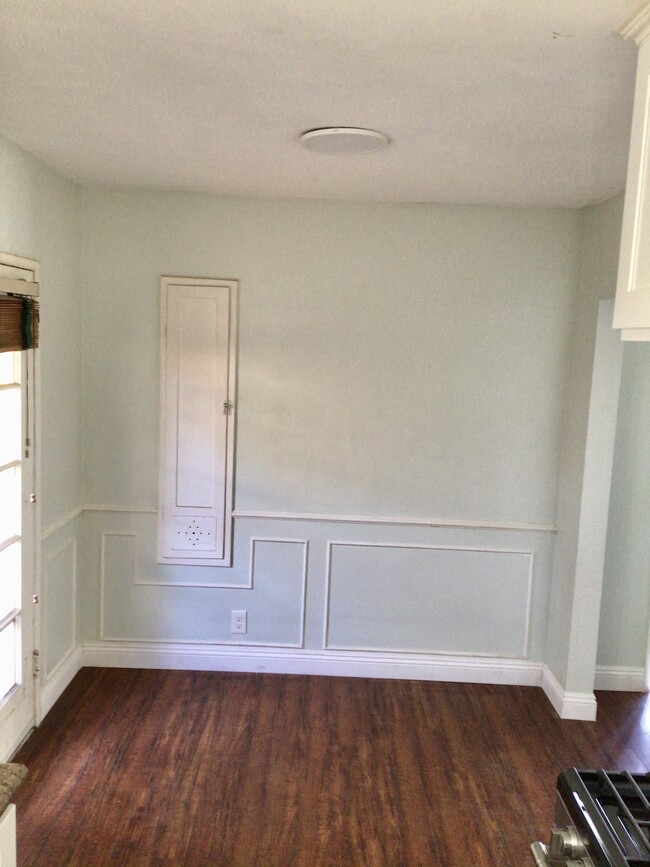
(616, 807)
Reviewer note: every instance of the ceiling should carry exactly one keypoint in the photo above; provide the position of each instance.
(522, 102)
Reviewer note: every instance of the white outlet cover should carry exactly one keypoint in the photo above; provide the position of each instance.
(238, 622)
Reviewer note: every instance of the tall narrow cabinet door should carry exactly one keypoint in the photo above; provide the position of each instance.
(632, 308)
(197, 436)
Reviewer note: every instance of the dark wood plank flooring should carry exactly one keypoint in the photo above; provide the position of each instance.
(196, 769)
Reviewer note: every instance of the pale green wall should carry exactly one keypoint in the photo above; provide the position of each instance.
(394, 360)
(598, 265)
(626, 585)
(40, 219)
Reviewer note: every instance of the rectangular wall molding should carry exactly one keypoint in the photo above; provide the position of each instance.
(120, 572)
(59, 570)
(432, 578)
(58, 525)
(126, 510)
(512, 562)
(222, 585)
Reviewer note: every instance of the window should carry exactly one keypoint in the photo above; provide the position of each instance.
(10, 520)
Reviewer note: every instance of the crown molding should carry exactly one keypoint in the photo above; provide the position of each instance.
(638, 27)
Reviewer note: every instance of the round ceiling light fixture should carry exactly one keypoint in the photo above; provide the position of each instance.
(344, 140)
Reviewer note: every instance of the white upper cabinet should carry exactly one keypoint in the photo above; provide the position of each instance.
(632, 309)
(197, 420)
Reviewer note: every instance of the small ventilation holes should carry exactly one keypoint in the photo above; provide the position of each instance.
(193, 533)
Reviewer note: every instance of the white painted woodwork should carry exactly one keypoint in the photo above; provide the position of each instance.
(428, 590)
(8, 837)
(18, 285)
(398, 520)
(635, 334)
(18, 710)
(197, 420)
(632, 310)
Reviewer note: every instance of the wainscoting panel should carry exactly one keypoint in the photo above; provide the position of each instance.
(348, 592)
(135, 609)
(428, 599)
(59, 600)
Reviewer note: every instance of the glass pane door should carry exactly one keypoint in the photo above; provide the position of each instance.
(17, 551)
(10, 523)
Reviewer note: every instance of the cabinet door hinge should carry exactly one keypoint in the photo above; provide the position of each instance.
(36, 662)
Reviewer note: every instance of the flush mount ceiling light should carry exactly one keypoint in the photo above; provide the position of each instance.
(343, 140)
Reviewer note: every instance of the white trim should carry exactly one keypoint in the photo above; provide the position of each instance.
(410, 522)
(638, 27)
(9, 542)
(635, 334)
(16, 286)
(347, 519)
(440, 667)
(620, 679)
(21, 262)
(58, 681)
(46, 598)
(477, 549)
(222, 508)
(149, 510)
(17, 744)
(58, 525)
(551, 686)
(8, 836)
(221, 585)
(212, 657)
(249, 586)
(568, 705)
(31, 265)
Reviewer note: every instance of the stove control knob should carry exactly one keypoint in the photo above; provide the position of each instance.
(566, 843)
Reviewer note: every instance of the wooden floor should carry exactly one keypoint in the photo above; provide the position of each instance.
(185, 769)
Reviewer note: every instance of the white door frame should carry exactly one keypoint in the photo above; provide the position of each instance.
(29, 271)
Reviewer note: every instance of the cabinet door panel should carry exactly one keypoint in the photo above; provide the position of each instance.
(632, 309)
(198, 377)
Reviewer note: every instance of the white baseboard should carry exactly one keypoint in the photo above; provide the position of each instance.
(568, 705)
(620, 679)
(58, 681)
(401, 666)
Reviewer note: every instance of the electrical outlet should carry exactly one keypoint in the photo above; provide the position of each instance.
(238, 621)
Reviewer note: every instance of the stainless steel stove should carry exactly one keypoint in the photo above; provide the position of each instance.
(602, 820)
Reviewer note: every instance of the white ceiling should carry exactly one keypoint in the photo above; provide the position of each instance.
(496, 101)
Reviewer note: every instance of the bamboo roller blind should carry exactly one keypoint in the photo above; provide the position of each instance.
(18, 323)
